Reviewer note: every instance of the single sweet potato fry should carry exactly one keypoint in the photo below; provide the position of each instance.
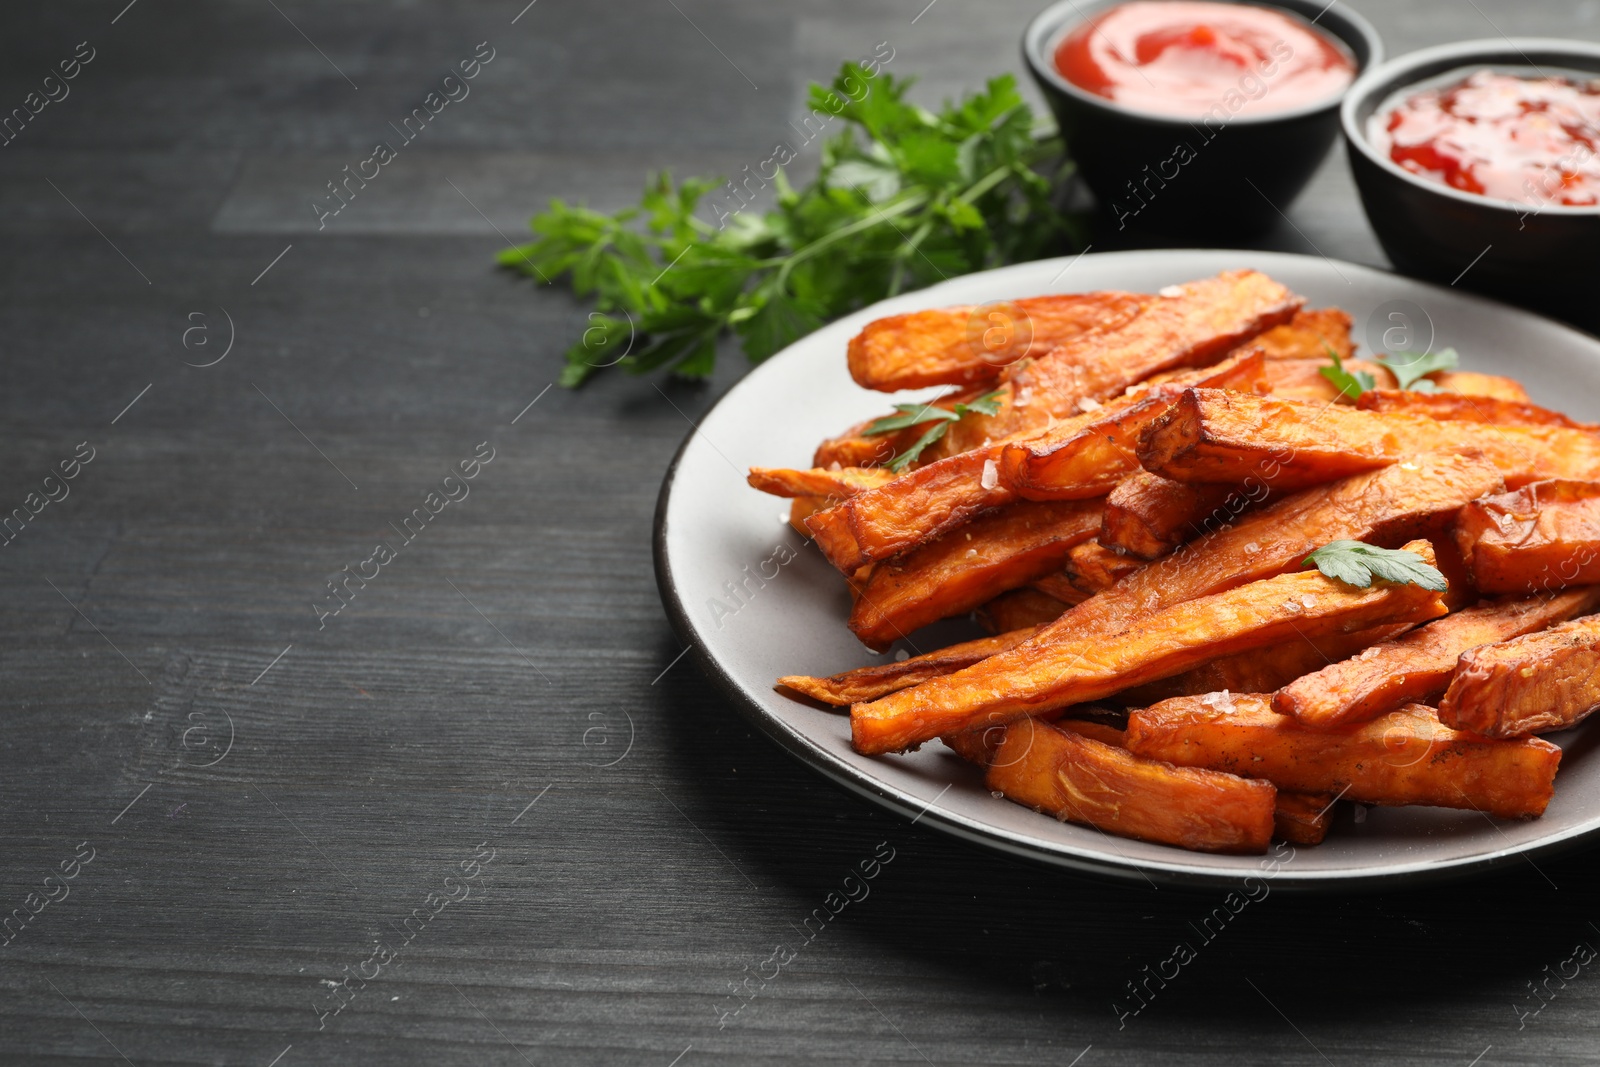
(1474, 384)
(979, 746)
(912, 510)
(1087, 456)
(1531, 684)
(1025, 608)
(1309, 335)
(967, 567)
(1214, 436)
(1148, 516)
(1263, 670)
(1302, 379)
(1089, 667)
(1542, 537)
(963, 345)
(818, 481)
(1404, 757)
(972, 745)
(1417, 667)
(1076, 778)
(1302, 818)
(1459, 407)
(869, 683)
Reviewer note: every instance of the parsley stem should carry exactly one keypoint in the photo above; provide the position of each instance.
(883, 214)
(985, 183)
(880, 215)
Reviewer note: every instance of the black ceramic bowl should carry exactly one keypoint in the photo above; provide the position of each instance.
(1173, 175)
(1530, 252)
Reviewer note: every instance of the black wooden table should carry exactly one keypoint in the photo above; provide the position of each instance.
(484, 814)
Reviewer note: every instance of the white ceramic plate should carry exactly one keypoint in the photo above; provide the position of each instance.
(755, 600)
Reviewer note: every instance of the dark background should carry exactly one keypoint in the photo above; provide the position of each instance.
(255, 834)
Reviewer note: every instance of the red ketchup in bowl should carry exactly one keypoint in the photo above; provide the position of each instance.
(1507, 136)
(1194, 59)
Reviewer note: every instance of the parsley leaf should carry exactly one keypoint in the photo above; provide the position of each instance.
(1357, 563)
(903, 197)
(912, 414)
(1409, 367)
(1351, 384)
(899, 463)
(987, 404)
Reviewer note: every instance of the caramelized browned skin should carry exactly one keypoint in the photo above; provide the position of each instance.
(1404, 757)
(939, 496)
(856, 448)
(1060, 585)
(966, 345)
(967, 567)
(869, 683)
(1542, 537)
(1148, 516)
(1474, 384)
(1302, 379)
(1196, 326)
(1088, 455)
(1458, 407)
(1092, 568)
(1302, 818)
(1417, 667)
(818, 481)
(1199, 324)
(1102, 732)
(978, 746)
(1165, 643)
(1263, 670)
(912, 510)
(1309, 335)
(1532, 684)
(1214, 436)
(1079, 779)
(1021, 608)
(1383, 507)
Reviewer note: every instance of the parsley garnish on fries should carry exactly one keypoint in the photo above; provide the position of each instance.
(1408, 369)
(1358, 563)
(911, 414)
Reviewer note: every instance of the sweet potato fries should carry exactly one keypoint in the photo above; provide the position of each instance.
(1182, 523)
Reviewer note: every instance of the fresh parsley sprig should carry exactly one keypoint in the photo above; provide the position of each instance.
(1408, 368)
(1358, 563)
(912, 414)
(1351, 383)
(904, 197)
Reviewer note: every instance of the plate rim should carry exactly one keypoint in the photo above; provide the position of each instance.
(1175, 874)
